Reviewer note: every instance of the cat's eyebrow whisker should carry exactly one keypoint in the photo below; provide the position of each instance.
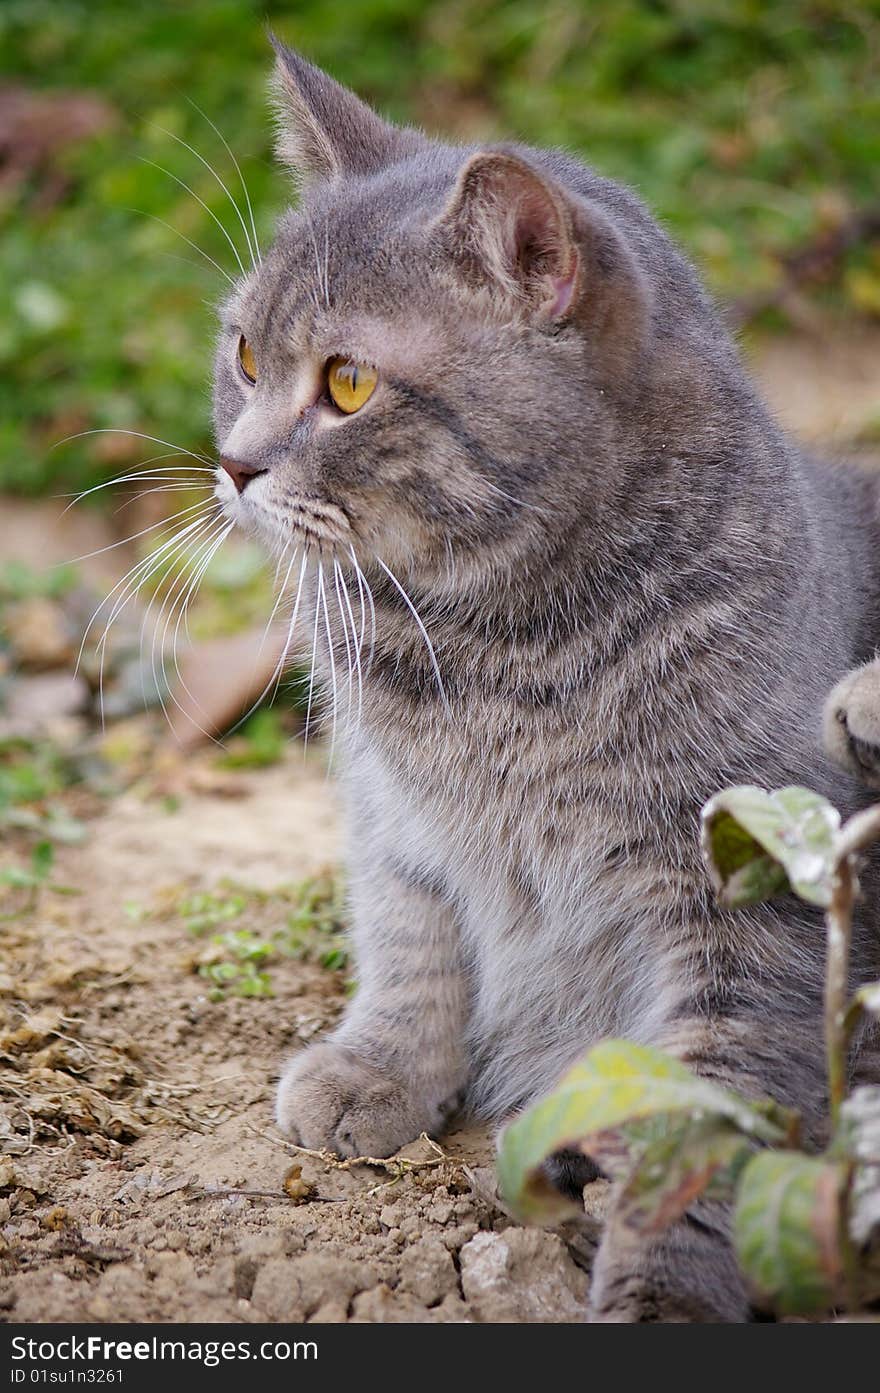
(231, 153)
(190, 243)
(211, 170)
(320, 281)
(327, 264)
(322, 603)
(422, 630)
(202, 204)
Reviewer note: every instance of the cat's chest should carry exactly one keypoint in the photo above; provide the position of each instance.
(505, 797)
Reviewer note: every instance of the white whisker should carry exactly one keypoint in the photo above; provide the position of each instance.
(138, 435)
(202, 204)
(275, 679)
(311, 228)
(159, 488)
(189, 559)
(201, 560)
(211, 170)
(422, 630)
(147, 476)
(163, 522)
(196, 248)
(311, 675)
(133, 571)
(353, 653)
(363, 584)
(322, 601)
(230, 152)
(135, 580)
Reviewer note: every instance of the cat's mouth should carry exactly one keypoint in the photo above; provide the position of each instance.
(314, 521)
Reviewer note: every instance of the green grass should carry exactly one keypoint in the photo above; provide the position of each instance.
(250, 930)
(748, 126)
(34, 774)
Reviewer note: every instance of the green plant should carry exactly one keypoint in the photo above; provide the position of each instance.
(32, 878)
(311, 929)
(315, 930)
(805, 1226)
(239, 971)
(262, 741)
(34, 774)
(750, 129)
(205, 909)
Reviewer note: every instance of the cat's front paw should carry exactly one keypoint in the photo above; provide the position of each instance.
(331, 1098)
(851, 727)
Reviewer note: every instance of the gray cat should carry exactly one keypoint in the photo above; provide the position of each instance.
(563, 579)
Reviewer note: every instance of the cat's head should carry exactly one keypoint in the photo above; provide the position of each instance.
(428, 363)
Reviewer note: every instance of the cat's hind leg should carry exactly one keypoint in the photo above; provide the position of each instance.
(851, 723)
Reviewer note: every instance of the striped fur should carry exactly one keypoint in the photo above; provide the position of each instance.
(636, 591)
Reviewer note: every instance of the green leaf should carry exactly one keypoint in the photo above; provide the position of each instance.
(758, 844)
(687, 1156)
(42, 857)
(34, 875)
(615, 1085)
(787, 1229)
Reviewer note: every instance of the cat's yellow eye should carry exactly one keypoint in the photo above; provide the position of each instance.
(350, 384)
(246, 359)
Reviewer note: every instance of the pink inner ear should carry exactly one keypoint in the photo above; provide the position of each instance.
(537, 226)
(562, 288)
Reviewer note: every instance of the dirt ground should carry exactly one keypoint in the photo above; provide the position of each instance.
(185, 1217)
(141, 1175)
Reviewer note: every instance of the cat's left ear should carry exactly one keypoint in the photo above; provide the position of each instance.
(515, 229)
(324, 130)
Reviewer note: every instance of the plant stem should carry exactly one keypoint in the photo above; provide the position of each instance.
(861, 831)
(838, 920)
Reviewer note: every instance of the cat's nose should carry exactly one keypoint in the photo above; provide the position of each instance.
(239, 472)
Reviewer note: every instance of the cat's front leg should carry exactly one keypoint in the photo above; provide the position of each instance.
(396, 1065)
(689, 1272)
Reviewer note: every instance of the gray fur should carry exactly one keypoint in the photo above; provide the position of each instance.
(637, 591)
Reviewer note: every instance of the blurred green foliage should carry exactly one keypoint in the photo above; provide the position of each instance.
(748, 126)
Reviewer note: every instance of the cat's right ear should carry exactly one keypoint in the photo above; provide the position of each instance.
(324, 130)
